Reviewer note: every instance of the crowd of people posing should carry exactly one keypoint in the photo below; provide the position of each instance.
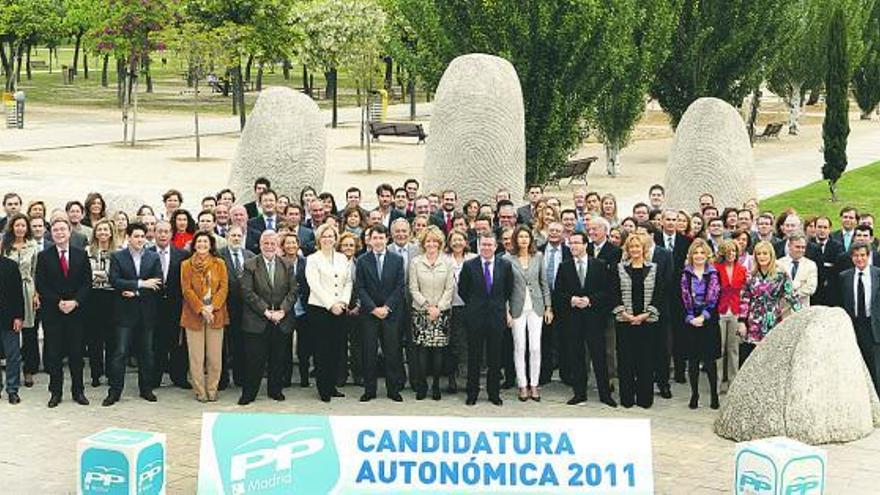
(420, 290)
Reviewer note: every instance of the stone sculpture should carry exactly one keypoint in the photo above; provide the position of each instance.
(805, 381)
(711, 153)
(476, 143)
(285, 140)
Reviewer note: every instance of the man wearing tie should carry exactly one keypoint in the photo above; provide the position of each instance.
(603, 250)
(848, 222)
(485, 285)
(552, 347)
(583, 298)
(170, 344)
(268, 290)
(406, 249)
(803, 271)
(829, 251)
(443, 217)
(861, 300)
(381, 279)
(268, 220)
(63, 280)
(136, 274)
(234, 255)
(678, 245)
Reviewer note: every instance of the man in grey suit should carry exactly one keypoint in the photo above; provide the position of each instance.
(268, 289)
(860, 287)
(234, 255)
(525, 214)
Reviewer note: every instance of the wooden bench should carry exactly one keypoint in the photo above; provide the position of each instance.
(573, 170)
(770, 130)
(39, 64)
(399, 129)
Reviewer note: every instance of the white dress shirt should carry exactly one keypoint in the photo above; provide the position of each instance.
(866, 281)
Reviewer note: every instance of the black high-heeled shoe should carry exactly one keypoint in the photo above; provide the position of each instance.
(695, 401)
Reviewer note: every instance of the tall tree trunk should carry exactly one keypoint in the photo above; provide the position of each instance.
(753, 114)
(4, 60)
(331, 83)
(260, 77)
(121, 85)
(389, 74)
(76, 46)
(196, 117)
(134, 115)
(411, 89)
(104, 71)
(27, 65)
(239, 89)
(612, 158)
(19, 55)
(125, 103)
(247, 68)
(794, 108)
(148, 74)
(285, 68)
(85, 64)
(306, 88)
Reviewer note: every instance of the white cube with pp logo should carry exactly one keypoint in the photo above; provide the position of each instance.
(779, 466)
(118, 461)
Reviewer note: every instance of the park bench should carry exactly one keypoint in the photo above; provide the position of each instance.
(39, 64)
(573, 170)
(770, 130)
(399, 129)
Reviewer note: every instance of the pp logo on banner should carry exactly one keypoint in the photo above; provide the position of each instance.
(151, 472)
(779, 466)
(281, 455)
(106, 472)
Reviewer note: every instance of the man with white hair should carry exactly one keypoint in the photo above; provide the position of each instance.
(803, 271)
(791, 225)
(603, 250)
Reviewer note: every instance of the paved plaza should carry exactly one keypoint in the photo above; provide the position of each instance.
(40, 456)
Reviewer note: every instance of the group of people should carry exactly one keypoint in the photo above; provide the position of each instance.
(420, 289)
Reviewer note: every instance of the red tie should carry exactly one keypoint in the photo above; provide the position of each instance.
(64, 267)
(448, 222)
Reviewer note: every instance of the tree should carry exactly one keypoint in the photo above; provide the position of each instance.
(559, 49)
(720, 49)
(835, 128)
(338, 33)
(800, 63)
(642, 32)
(22, 23)
(131, 30)
(79, 19)
(202, 49)
(866, 79)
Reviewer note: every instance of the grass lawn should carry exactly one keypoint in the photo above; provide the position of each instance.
(859, 188)
(170, 90)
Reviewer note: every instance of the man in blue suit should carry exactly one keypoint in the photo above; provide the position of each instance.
(380, 285)
(136, 274)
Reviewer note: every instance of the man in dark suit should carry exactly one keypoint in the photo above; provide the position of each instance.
(268, 289)
(442, 218)
(136, 274)
(293, 216)
(380, 280)
(583, 300)
(234, 255)
(601, 249)
(863, 234)
(11, 322)
(260, 185)
(526, 214)
(860, 293)
(661, 257)
(385, 197)
(848, 221)
(485, 285)
(63, 280)
(791, 225)
(304, 339)
(678, 245)
(829, 251)
(169, 342)
(11, 205)
(268, 220)
(552, 347)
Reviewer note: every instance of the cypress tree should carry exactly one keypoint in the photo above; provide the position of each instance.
(866, 79)
(835, 128)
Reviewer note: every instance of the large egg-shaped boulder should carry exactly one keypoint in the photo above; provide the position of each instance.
(477, 141)
(285, 140)
(711, 153)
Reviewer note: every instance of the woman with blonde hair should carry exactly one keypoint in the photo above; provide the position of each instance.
(763, 298)
(350, 355)
(608, 209)
(700, 292)
(205, 286)
(99, 310)
(431, 285)
(639, 298)
(547, 215)
(330, 283)
(732, 275)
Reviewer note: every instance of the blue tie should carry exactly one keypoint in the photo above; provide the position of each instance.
(487, 274)
(551, 268)
(270, 223)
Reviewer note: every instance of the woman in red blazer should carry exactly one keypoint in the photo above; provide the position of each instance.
(733, 276)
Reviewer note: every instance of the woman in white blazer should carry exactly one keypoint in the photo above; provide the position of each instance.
(328, 273)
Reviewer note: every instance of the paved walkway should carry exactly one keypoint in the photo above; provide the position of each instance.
(40, 457)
